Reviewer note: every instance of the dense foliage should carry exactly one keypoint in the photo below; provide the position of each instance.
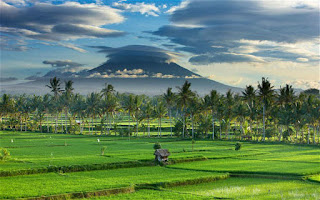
(255, 114)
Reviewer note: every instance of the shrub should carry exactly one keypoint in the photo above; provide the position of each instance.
(238, 146)
(157, 145)
(4, 154)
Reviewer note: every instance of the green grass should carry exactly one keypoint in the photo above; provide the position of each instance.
(39, 150)
(249, 165)
(55, 183)
(233, 188)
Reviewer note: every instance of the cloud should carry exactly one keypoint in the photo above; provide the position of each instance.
(215, 30)
(304, 84)
(62, 63)
(136, 53)
(10, 43)
(50, 22)
(142, 8)
(73, 47)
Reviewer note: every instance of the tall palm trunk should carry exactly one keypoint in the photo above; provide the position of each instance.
(280, 134)
(314, 134)
(148, 127)
(308, 139)
(170, 122)
(47, 124)
(160, 128)
(192, 126)
(183, 124)
(212, 126)
(137, 128)
(220, 129)
(264, 122)
(56, 125)
(66, 120)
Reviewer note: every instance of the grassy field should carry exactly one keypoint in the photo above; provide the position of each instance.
(257, 171)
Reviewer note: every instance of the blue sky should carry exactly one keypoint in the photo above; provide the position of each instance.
(230, 41)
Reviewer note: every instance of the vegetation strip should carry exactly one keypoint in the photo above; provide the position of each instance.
(91, 167)
(90, 194)
(129, 189)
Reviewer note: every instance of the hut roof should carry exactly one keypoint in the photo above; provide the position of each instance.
(162, 152)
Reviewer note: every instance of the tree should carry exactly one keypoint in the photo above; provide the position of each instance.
(184, 97)
(56, 90)
(240, 111)
(265, 93)
(211, 102)
(228, 110)
(148, 113)
(285, 100)
(129, 107)
(169, 97)
(249, 96)
(67, 96)
(160, 112)
(93, 106)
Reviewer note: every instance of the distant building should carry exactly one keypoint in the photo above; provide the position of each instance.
(161, 155)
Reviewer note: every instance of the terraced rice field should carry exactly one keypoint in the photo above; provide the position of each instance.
(71, 166)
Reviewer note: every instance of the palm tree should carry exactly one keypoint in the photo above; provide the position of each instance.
(184, 97)
(107, 92)
(240, 111)
(249, 96)
(285, 100)
(129, 107)
(194, 108)
(78, 108)
(148, 112)
(228, 110)
(211, 102)
(265, 93)
(136, 111)
(93, 106)
(56, 89)
(67, 100)
(160, 112)
(169, 97)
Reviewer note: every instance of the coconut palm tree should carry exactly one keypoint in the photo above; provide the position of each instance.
(169, 97)
(68, 92)
(249, 95)
(93, 106)
(285, 112)
(160, 112)
(184, 97)
(266, 92)
(211, 102)
(129, 107)
(241, 113)
(78, 109)
(194, 108)
(148, 113)
(228, 110)
(56, 90)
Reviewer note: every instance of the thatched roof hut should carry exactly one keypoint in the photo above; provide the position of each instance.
(161, 155)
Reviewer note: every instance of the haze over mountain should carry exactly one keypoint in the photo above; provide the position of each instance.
(135, 68)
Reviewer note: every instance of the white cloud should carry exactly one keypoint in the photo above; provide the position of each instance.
(182, 5)
(143, 8)
(70, 20)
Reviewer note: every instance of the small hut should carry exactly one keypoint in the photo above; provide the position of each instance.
(161, 155)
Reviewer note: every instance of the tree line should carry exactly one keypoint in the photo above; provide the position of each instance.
(261, 113)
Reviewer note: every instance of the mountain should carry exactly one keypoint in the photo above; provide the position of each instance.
(143, 68)
(131, 74)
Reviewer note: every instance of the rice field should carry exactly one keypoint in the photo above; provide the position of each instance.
(71, 166)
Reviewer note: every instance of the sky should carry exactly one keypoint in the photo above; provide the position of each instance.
(235, 42)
